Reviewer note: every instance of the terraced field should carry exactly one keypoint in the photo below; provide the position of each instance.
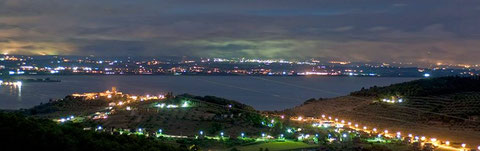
(450, 117)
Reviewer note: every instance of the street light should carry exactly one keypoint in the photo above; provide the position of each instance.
(447, 143)
(464, 145)
(201, 132)
(243, 134)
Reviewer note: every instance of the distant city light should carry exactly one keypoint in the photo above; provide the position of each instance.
(299, 118)
(426, 75)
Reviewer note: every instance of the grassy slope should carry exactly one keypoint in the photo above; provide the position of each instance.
(202, 115)
(276, 146)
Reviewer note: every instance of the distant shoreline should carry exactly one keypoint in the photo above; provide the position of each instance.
(214, 75)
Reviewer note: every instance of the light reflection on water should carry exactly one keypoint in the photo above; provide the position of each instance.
(13, 90)
(268, 93)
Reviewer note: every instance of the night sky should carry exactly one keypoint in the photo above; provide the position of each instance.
(419, 31)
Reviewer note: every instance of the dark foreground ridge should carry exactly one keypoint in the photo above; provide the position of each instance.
(25, 133)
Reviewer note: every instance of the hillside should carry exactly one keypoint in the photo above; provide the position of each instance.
(425, 87)
(445, 107)
(207, 113)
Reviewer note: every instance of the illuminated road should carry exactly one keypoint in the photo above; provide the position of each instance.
(439, 144)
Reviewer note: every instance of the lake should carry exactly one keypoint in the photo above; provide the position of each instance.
(261, 92)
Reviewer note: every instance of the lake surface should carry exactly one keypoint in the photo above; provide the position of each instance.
(264, 93)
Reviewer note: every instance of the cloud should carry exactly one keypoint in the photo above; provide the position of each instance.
(400, 5)
(344, 28)
(369, 30)
(36, 48)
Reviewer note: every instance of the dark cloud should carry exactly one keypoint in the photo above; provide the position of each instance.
(426, 31)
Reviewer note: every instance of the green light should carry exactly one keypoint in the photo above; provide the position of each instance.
(185, 104)
(289, 130)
